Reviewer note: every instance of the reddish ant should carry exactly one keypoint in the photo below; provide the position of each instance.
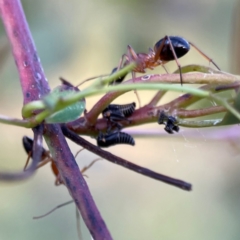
(166, 49)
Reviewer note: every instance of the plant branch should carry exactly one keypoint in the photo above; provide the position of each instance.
(122, 162)
(33, 82)
(34, 87)
(74, 181)
(182, 113)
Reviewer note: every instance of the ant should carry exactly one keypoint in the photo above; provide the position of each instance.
(166, 49)
(46, 158)
(110, 139)
(169, 121)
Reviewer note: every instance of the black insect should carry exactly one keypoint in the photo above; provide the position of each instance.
(111, 139)
(120, 79)
(45, 158)
(117, 112)
(28, 146)
(169, 121)
(166, 49)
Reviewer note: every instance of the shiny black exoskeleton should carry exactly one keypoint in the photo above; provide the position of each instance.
(27, 144)
(170, 125)
(169, 121)
(166, 49)
(180, 45)
(111, 139)
(120, 79)
(117, 112)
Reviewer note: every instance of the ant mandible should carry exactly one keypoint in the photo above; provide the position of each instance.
(166, 49)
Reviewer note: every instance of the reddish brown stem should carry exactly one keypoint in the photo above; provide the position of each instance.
(33, 81)
(74, 181)
(34, 86)
(196, 78)
(124, 163)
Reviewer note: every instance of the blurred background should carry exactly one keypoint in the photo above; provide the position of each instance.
(80, 39)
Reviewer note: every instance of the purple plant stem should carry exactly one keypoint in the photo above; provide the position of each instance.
(34, 86)
(33, 82)
(124, 163)
(74, 181)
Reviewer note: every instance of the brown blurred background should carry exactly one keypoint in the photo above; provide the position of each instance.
(79, 39)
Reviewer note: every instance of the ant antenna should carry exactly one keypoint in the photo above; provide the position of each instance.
(59, 206)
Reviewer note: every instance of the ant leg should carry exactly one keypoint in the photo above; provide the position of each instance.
(135, 91)
(27, 162)
(120, 64)
(78, 222)
(58, 180)
(131, 54)
(91, 78)
(59, 206)
(164, 68)
(78, 152)
(176, 59)
(44, 162)
(88, 166)
(133, 57)
(204, 55)
(158, 53)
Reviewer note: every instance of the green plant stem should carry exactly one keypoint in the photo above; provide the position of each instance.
(199, 124)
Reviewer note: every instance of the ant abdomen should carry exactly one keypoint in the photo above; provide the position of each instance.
(120, 79)
(27, 144)
(180, 45)
(111, 139)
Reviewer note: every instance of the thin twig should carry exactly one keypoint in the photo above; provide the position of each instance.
(122, 162)
(200, 112)
(74, 181)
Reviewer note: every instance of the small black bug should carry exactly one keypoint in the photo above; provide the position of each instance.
(111, 139)
(28, 146)
(170, 125)
(120, 79)
(169, 121)
(116, 112)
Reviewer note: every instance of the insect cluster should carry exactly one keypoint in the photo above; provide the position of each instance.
(115, 113)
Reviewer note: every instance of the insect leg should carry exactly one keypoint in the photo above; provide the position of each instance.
(204, 55)
(176, 59)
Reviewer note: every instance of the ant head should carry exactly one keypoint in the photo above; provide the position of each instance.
(180, 45)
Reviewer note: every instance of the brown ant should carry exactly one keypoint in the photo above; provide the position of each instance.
(166, 49)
